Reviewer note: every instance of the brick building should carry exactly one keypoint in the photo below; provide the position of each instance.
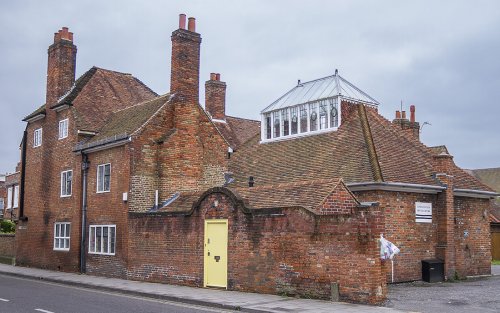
(122, 182)
(9, 195)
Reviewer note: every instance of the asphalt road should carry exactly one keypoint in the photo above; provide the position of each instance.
(472, 295)
(19, 295)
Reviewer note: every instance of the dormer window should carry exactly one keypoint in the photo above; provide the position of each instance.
(310, 108)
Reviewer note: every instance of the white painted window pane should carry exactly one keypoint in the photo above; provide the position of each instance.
(16, 196)
(92, 239)
(9, 198)
(112, 239)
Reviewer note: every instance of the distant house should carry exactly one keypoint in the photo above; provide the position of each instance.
(121, 182)
(10, 195)
(491, 177)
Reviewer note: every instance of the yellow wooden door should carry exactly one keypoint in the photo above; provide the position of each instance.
(215, 264)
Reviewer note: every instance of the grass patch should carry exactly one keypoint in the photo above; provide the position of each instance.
(495, 262)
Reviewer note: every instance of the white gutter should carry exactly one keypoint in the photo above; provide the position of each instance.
(390, 186)
(475, 193)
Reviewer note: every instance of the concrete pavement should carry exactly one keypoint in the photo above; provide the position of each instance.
(242, 301)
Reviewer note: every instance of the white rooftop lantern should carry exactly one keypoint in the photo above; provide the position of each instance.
(310, 108)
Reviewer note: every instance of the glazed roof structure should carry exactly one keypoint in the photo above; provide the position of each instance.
(323, 88)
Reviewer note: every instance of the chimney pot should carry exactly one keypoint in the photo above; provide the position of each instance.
(192, 24)
(213, 76)
(182, 21)
(398, 115)
(412, 113)
(403, 115)
(217, 76)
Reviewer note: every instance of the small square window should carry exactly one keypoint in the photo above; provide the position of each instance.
(66, 183)
(63, 129)
(37, 138)
(104, 177)
(61, 236)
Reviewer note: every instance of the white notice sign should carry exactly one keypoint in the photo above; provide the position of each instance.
(423, 212)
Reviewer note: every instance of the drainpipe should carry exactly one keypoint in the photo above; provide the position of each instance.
(23, 177)
(85, 169)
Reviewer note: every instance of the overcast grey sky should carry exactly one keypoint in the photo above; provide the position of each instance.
(444, 57)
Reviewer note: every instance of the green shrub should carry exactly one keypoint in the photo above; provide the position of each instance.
(7, 226)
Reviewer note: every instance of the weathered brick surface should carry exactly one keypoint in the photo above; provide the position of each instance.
(215, 97)
(108, 208)
(472, 237)
(7, 245)
(288, 252)
(420, 241)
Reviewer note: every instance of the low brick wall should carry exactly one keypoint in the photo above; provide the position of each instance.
(7, 245)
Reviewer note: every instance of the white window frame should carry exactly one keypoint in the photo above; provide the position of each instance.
(9, 198)
(94, 248)
(309, 107)
(100, 178)
(62, 236)
(15, 200)
(64, 185)
(63, 128)
(37, 137)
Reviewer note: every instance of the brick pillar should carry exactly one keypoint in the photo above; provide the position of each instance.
(445, 248)
(61, 66)
(185, 68)
(215, 97)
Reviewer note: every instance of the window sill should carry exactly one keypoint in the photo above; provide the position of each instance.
(99, 253)
(106, 191)
(65, 196)
(63, 250)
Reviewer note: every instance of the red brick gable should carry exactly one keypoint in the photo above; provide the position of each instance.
(339, 201)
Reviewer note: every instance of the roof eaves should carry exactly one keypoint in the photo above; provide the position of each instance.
(394, 186)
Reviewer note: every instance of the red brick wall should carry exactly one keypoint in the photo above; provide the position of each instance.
(339, 201)
(473, 248)
(419, 241)
(290, 251)
(184, 161)
(43, 202)
(7, 245)
(108, 208)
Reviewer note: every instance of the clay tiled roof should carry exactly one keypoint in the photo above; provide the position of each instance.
(307, 194)
(489, 176)
(332, 155)
(365, 148)
(237, 131)
(126, 121)
(40, 110)
(99, 92)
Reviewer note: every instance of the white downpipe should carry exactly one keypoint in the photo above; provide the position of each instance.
(156, 198)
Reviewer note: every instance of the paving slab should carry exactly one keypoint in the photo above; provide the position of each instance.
(234, 300)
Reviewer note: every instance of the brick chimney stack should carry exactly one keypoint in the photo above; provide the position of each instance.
(61, 66)
(185, 69)
(215, 97)
(409, 127)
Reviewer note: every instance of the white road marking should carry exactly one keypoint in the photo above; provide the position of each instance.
(4, 300)
(44, 311)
